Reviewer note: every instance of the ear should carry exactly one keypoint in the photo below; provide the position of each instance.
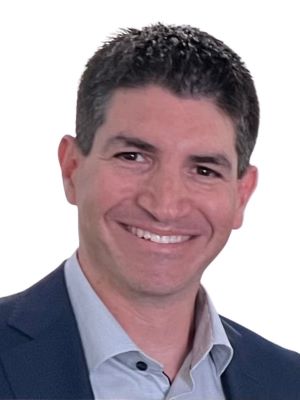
(246, 186)
(69, 157)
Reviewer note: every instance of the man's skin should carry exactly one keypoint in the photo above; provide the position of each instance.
(157, 197)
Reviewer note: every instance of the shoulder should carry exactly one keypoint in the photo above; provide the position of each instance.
(243, 335)
(35, 306)
(55, 279)
(262, 358)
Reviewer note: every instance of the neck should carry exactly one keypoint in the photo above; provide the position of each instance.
(161, 326)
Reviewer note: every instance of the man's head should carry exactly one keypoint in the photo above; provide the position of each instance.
(167, 119)
(188, 62)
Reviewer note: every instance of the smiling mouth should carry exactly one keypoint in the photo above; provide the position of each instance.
(154, 237)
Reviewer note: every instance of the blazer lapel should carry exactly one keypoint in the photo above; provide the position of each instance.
(47, 359)
(240, 380)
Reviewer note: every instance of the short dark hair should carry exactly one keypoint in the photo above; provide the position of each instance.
(182, 59)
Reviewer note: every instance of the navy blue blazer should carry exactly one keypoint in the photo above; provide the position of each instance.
(41, 355)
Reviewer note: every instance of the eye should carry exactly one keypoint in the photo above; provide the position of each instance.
(130, 156)
(208, 172)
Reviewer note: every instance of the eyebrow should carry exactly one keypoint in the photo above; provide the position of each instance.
(130, 141)
(216, 159)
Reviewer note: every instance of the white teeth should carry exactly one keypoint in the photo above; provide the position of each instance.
(139, 233)
(153, 237)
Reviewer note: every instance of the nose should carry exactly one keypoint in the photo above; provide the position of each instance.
(165, 196)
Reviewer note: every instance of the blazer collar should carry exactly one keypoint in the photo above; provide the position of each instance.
(47, 359)
(242, 378)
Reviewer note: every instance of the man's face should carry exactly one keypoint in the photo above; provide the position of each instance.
(158, 195)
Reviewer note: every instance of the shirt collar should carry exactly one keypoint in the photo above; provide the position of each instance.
(95, 321)
(210, 336)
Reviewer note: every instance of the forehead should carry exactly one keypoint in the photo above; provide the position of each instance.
(158, 115)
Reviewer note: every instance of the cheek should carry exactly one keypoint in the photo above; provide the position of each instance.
(220, 209)
(100, 193)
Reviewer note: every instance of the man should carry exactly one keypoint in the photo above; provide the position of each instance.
(167, 119)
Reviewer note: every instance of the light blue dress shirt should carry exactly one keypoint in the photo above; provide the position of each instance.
(118, 369)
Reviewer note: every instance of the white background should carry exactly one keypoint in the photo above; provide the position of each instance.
(44, 47)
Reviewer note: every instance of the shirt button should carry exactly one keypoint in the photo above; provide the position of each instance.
(141, 365)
